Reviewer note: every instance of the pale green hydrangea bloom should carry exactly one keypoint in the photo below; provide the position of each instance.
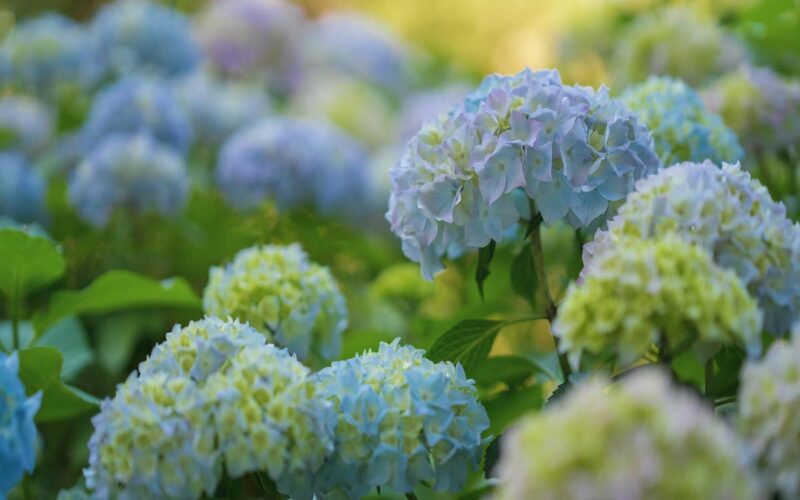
(279, 291)
(730, 215)
(645, 292)
(640, 439)
(769, 415)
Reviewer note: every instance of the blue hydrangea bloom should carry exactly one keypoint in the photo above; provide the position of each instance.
(26, 124)
(296, 163)
(401, 420)
(47, 53)
(362, 47)
(17, 430)
(216, 108)
(132, 172)
(463, 179)
(22, 189)
(141, 35)
(137, 104)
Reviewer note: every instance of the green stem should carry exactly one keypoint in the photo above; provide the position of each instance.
(550, 309)
(725, 400)
(664, 354)
(709, 375)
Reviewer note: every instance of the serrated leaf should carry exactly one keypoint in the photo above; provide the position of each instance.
(523, 275)
(491, 457)
(114, 291)
(510, 370)
(27, 262)
(508, 406)
(468, 343)
(485, 256)
(559, 393)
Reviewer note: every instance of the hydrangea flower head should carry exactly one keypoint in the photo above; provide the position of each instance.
(769, 415)
(421, 106)
(643, 292)
(760, 106)
(401, 419)
(132, 172)
(674, 42)
(26, 124)
(144, 36)
(639, 439)
(279, 291)
(138, 104)
(46, 54)
(17, 430)
(154, 439)
(296, 163)
(22, 189)
(731, 216)
(463, 179)
(683, 129)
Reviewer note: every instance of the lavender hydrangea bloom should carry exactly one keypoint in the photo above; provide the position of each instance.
(22, 189)
(47, 53)
(296, 163)
(462, 180)
(142, 35)
(216, 108)
(362, 47)
(17, 430)
(134, 105)
(25, 124)
(128, 172)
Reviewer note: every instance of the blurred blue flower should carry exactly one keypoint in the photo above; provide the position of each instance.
(425, 105)
(132, 172)
(26, 124)
(296, 163)
(17, 430)
(141, 35)
(22, 189)
(134, 105)
(47, 53)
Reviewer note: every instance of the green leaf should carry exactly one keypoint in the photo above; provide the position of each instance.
(39, 367)
(469, 343)
(485, 256)
(27, 262)
(728, 361)
(114, 291)
(69, 337)
(523, 275)
(559, 393)
(491, 457)
(62, 401)
(510, 370)
(508, 406)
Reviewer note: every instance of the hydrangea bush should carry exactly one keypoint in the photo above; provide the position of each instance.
(26, 124)
(279, 291)
(22, 189)
(462, 180)
(683, 129)
(730, 215)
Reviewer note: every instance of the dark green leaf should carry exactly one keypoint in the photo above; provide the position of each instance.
(509, 370)
(491, 456)
(508, 406)
(469, 343)
(559, 393)
(523, 275)
(728, 363)
(27, 262)
(39, 367)
(114, 291)
(62, 401)
(485, 256)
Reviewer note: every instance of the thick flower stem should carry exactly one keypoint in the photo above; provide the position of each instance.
(549, 308)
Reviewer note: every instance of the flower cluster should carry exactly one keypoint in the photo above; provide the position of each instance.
(252, 38)
(639, 439)
(645, 292)
(47, 53)
(760, 106)
(138, 104)
(213, 393)
(729, 215)
(296, 163)
(216, 108)
(357, 45)
(17, 430)
(675, 42)
(462, 179)
(401, 420)
(142, 35)
(22, 189)
(131, 172)
(424, 105)
(277, 290)
(683, 129)
(25, 124)
(769, 415)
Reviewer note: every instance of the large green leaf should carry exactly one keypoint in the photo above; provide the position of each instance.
(27, 262)
(114, 291)
(69, 337)
(469, 343)
(39, 367)
(62, 401)
(510, 370)
(523, 275)
(485, 256)
(508, 406)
